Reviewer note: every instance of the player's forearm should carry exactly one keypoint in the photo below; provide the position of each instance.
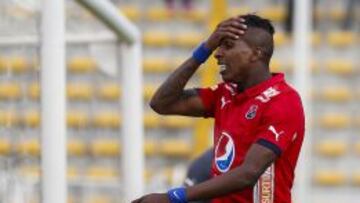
(230, 182)
(171, 90)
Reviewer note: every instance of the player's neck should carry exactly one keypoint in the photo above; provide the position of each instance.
(255, 77)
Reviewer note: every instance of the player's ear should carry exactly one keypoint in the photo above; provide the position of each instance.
(257, 54)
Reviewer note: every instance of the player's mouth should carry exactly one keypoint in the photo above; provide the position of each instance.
(222, 68)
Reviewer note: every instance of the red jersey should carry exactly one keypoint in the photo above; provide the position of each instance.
(270, 114)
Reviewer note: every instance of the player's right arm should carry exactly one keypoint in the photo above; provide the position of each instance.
(171, 97)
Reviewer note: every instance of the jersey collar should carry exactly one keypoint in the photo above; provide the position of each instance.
(259, 88)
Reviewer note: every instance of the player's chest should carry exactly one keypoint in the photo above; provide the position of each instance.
(241, 118)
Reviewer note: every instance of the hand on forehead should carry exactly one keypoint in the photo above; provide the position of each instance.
(252, 35)
(235, 25)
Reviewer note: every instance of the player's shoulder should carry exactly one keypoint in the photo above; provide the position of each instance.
(289, 94)
(276, 92)
(287, 102)
(215, 87)
(223, 88)
(281, 97)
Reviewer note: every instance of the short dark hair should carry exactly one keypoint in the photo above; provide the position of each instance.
(252, 20)
(263, 40)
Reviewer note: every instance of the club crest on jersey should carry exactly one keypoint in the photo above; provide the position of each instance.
(224, 152)
(251, 113)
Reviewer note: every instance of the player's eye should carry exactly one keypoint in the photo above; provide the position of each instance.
(228, 44)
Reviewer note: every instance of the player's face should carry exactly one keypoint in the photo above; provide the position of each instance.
(234, 58)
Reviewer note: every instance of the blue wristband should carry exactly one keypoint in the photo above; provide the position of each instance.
(201, 53)
(177, 195)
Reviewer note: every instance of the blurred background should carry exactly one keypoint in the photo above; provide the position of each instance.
(170, 31)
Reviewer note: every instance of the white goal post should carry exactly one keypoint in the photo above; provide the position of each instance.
(132, 108)
(53, 79)
(302, 79)
(53, 103)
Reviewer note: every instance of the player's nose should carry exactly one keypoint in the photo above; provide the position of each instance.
(219, 53)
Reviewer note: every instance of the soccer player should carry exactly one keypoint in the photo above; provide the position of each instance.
(259, 118)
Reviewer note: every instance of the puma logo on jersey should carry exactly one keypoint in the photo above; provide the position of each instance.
(267, 95)
(273, 130)
(224, 102)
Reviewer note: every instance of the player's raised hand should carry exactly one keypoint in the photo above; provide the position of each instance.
(232, 28)
(153, 198)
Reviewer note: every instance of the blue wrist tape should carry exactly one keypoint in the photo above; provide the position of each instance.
(201, 53)
(177, 195)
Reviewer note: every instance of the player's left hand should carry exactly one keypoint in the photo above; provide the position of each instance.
(153, 198)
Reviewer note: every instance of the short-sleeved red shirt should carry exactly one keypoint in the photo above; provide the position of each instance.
(270, 114)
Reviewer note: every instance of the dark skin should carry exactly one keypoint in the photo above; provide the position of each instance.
(247, 65)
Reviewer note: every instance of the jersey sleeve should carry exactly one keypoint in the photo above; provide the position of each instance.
(208, 97)
(279, 126)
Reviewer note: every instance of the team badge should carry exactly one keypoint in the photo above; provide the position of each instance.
(251, 113)
(224, 152)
